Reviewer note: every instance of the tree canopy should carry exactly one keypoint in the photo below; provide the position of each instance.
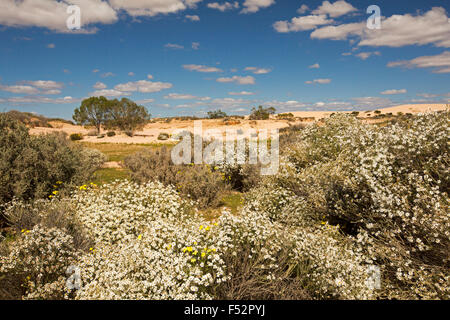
(261, 113)
(123, 114)
(219, 114)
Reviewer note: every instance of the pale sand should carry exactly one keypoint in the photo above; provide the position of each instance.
(151, 131)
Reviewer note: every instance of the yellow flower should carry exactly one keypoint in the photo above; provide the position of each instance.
(55, 192)
(193, 260)
(140, 237)
(216, 224)
(195, 252)
(58, 182)
(201, 227)
(207, 228)
(203, 254)
(169, 247)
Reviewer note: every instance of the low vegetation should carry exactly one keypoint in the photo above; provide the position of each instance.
(349, 196)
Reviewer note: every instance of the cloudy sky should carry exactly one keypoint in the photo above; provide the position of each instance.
(185, 57)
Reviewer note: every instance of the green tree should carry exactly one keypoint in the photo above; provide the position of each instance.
(126, 115)
(219, 114)
(261, 113)
(93, 111)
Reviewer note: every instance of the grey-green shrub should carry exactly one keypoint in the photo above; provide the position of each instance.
(31, 165)
(200, 182)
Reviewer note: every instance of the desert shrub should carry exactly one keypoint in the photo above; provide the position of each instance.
(100, 136)
(76, 136)
(31, 165)
(241, 177)
(219, 114)
(110, 133)
(35, 266)
(261, 113)
(285, 116)
(148, 243)
(200, 182)
(163, 136)
(388, 186)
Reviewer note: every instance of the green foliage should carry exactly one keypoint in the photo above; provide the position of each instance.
(93, 111)
(261, 113)
(218, 114)
(31, 165)
(76, 136)
(126, 115)
(285, 116)
(163, 136)
(200, 182)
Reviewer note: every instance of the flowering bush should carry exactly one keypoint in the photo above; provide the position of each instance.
(389, 183)
(348, 196)
(35, 266)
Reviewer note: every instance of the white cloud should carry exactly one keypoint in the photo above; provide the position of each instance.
(107, 74)
(366, 55)
(301, 23)
(201, 68)
(193, 17)
(341, 32)
(303, 9)
(370, 102)
(108, 93)
(433, 27)
(19, 89)
(42, 100)
(177, 96)
(238, 80)
(256, 70)
(224, 6)
(314, 66)
(394, 91)
(52, 14)
(242, 93)
(336, 9)
(131, 74)
(51, 91)
(440, 63)
(99, 85)
(153, 7)
(144, 101)
(95, 70)
(149, 76)
(51, 46)
(173, 46)
(143, 86)
(195, 45)
(319, 81)
(45, 84)
(251, 6)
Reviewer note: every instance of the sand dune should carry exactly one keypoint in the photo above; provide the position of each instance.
(151, 131)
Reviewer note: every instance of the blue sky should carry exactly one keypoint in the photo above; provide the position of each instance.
(186, 57)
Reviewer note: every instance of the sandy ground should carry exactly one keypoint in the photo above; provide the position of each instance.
(151, 131)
